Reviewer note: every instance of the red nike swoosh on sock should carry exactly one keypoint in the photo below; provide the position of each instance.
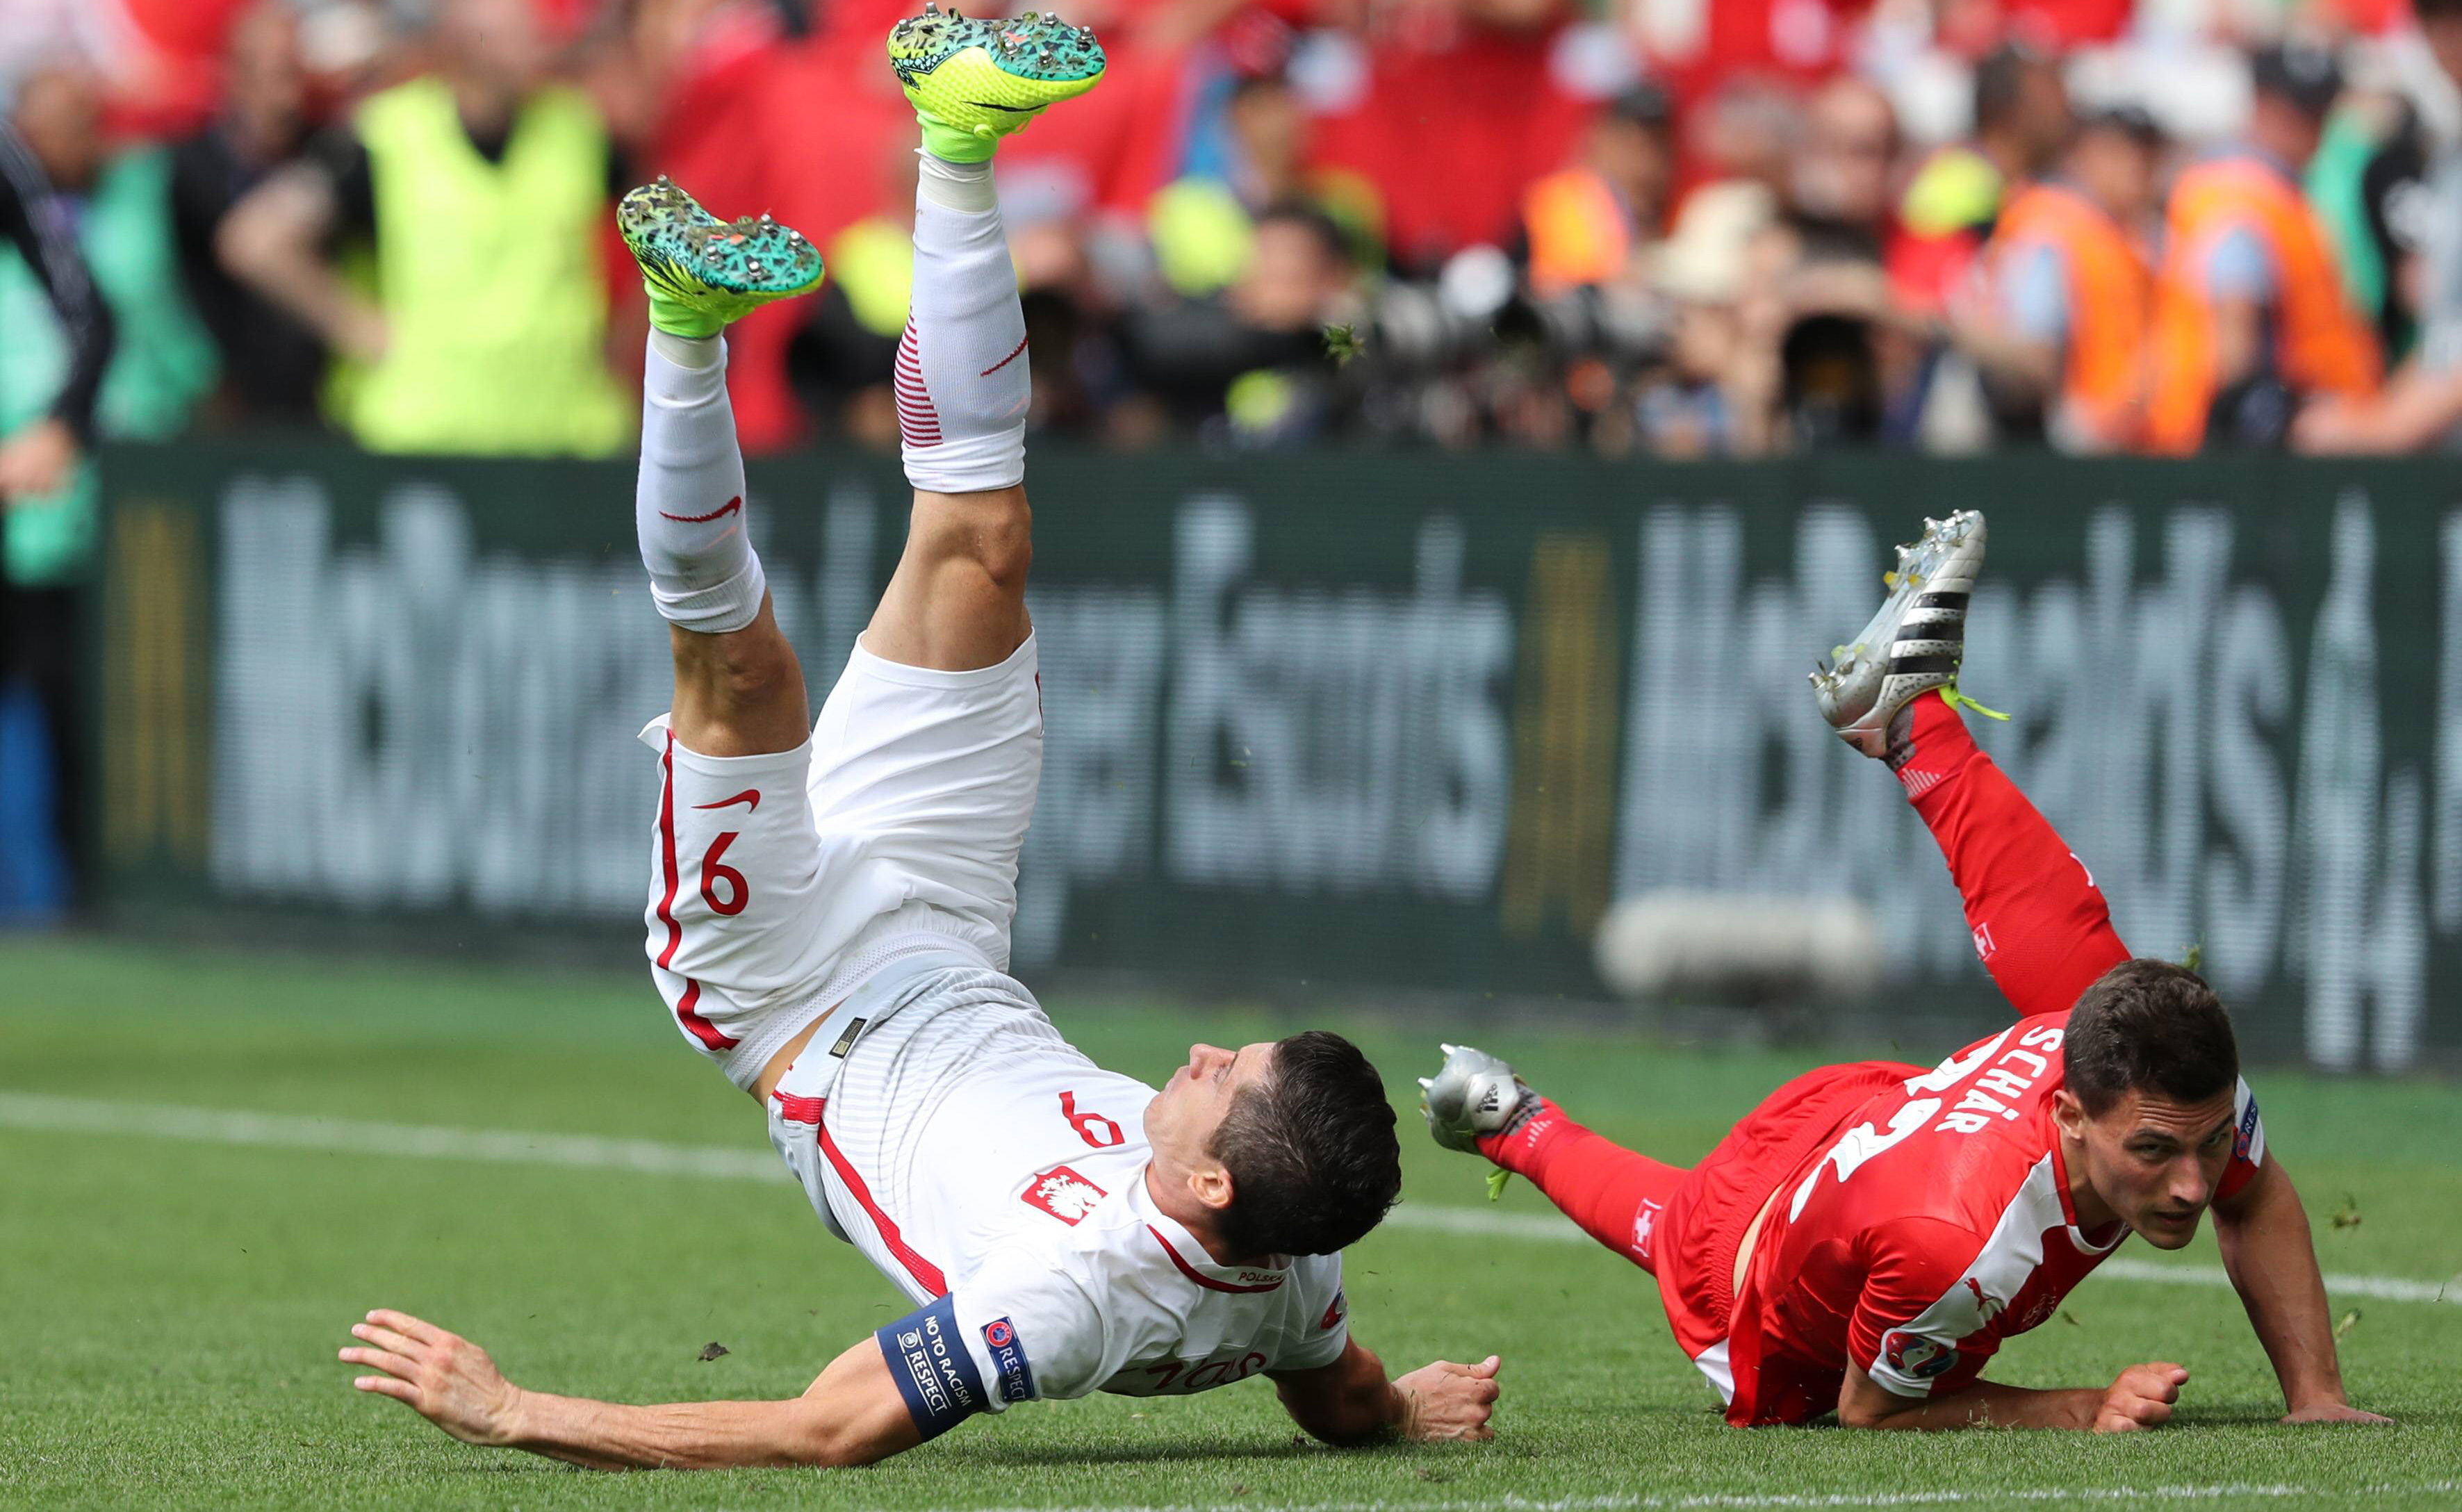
(723, 509)
(1004, 361)
(749, 798)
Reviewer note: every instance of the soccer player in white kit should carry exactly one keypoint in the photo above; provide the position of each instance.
(829, 915)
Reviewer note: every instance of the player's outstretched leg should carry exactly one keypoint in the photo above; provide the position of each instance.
(1478, 1105)
(958, 599)
(2039, 924)
(738, 689)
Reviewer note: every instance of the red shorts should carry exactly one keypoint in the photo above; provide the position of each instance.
(1706, 1218)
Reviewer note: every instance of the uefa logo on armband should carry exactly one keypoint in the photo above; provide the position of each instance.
(1012, 1379)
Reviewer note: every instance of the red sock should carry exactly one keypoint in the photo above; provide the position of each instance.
(1616, 1194)
(2040, 923)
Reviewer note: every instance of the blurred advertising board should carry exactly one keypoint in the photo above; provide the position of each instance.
(1396, 720)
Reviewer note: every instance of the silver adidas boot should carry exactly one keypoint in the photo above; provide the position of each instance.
(1914, 644)
(1473, 1097)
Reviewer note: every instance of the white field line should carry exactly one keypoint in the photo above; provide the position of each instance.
(2233, 1491)
(35, 1110)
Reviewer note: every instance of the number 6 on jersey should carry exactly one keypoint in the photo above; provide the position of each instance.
(1093, 1127)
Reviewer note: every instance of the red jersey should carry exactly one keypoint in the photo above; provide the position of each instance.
(1931, 1224)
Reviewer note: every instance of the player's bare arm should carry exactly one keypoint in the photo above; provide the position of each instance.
(2143, 1396)
(851, 1416)
(1351, 1402)
(2271, 1255)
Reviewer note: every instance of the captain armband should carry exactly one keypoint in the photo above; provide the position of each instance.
(933, 1369)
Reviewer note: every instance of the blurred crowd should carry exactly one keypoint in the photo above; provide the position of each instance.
(1673, 228)
(1670, 228)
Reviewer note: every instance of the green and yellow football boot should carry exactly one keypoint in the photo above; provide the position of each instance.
(973, 82)
(702, 273)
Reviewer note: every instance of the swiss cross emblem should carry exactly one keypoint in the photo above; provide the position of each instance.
(1063, 1194)
(1985, 948)
(1644, 1223)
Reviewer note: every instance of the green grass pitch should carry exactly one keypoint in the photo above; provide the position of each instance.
(170, 1304)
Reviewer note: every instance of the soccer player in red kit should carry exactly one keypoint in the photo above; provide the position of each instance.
(1864, 1241)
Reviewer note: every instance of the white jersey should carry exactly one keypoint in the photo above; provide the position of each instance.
(983, 1162)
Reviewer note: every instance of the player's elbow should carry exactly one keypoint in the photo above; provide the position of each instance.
(1863, 1403)
(1862, 1414)
(829, 1446)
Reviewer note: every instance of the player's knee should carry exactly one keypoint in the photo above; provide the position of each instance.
(753, 681)
(1006, 549)
(739, 695)
(992, 534)
(747, 668)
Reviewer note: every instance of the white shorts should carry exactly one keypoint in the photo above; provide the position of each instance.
(779, 882)
(908, 1163)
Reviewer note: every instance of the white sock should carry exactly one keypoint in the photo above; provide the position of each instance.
(688, 502)
(958, 185)
(962, 385)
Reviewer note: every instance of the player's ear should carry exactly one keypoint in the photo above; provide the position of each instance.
(1211, 1182)
(2069, 1114)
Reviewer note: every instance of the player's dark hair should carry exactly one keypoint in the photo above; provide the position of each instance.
(1311, 1150)
(2151, 1028)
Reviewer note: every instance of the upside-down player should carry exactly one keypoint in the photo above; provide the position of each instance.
(1864, 1241)
(830, 907)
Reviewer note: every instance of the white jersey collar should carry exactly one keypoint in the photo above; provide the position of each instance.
(1182, 1251)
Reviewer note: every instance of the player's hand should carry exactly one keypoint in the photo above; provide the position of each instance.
(1445, 1401)
(36, 462)
(2141, 1399)
(442, 1376)
(2333, 1413)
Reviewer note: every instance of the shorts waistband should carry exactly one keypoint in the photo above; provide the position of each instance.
(886, 993)
(1727, 1237)
(744, 1064)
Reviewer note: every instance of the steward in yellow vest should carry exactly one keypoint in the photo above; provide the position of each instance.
(469, 311)
(490, 279)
